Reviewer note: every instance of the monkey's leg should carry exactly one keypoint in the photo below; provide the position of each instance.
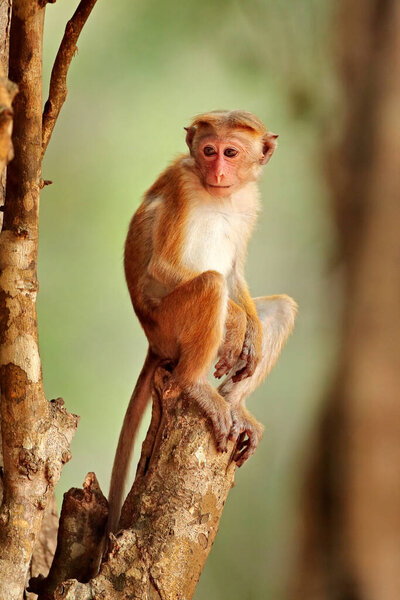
(192, 319)
(276, 314)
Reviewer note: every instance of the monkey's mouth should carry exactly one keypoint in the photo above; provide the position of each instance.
(219, 186)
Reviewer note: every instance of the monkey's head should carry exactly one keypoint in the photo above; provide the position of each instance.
(229, 149)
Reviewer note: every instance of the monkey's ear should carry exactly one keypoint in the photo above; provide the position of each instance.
(190, 131)
(269, 145)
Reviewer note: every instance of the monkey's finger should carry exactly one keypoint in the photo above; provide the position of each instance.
(221, 368)
(222, 422)
(247, 451)
(218, 373)
(239, 375)
(242, 374)
(242, 453)
(249, 445)
(239, 444)
(222, 441)
(224, 365)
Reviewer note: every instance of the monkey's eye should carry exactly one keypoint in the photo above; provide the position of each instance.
(230, 152)
(209, 151)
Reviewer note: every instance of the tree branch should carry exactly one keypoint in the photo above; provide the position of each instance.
(58, 81)
(172, 513)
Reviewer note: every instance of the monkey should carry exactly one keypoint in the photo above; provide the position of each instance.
(184, 267)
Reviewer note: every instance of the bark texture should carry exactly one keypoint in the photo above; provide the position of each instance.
(171, 516)
(351, 519)
(35, 433)
(6, 150)
(45, 547)
(5, 22)
(80, 536)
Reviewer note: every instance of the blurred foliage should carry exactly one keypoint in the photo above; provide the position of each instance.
(143, 69)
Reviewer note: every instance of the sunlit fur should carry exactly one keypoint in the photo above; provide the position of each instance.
(184, 264)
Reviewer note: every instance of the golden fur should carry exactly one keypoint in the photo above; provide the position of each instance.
(184, 265)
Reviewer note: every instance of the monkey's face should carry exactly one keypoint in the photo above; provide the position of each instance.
(227, 162)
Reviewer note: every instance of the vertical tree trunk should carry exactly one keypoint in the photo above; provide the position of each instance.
(36, 434)
(351, 517)
(5, 133)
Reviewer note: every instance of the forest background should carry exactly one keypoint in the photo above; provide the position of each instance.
(142, 71)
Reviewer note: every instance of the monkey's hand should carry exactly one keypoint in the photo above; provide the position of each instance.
(251, 350)
(247, 432)
(232, 346)
(229, 355)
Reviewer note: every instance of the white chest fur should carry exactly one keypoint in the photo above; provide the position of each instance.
(216, 230)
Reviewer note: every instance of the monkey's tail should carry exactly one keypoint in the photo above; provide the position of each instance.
(133, 416)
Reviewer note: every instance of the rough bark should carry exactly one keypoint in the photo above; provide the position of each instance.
(79, 546)
(6, 151)
(45, 547)
(5, 22)
(351, 518)
(171, 516)
(35, 434)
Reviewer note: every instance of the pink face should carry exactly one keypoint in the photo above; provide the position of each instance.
(226, 163)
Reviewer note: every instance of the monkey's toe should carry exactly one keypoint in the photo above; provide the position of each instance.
(222, 423)
(221, 368)
(247, 432)
(218, 411)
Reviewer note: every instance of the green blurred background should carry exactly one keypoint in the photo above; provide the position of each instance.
(142, 71)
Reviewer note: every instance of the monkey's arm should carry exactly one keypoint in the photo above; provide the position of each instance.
(251, 351)
(232, 347)
(166, 265)
(171, 274)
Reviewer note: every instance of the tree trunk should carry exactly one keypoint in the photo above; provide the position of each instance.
(171, 516)
(6, 150)
(351, 519)
(36, 434)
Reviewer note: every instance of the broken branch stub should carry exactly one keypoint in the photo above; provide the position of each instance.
(79, 541)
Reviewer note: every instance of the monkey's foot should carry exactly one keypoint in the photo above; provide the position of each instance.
(217, 409)
(247, 432)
